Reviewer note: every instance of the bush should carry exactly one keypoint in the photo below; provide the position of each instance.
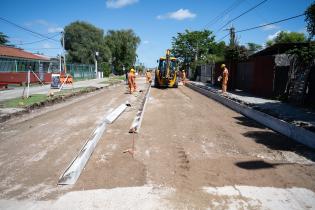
(106, 69)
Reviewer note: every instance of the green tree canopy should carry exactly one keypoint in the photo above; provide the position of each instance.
(287, 37)
(310, 19)
(123, 45)
(191, 46)
(3, 39)
(82, 41)
(253, 47)
(236, 53)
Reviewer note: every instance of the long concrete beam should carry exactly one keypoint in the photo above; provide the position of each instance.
(136, 124)
(298, 134)
(73, 171)
(116, 113)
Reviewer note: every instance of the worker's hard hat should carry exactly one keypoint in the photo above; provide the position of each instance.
(222, 66)
(183, 70)
(132, 70)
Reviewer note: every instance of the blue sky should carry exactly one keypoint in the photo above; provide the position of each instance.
(154, 21)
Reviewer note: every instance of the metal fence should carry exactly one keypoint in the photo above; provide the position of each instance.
(78, 71)
(205, 73)
(81, 71)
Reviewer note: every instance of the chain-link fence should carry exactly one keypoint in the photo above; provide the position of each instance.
(78, 71)
(81, 71)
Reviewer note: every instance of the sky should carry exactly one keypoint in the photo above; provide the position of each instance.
(154, 21)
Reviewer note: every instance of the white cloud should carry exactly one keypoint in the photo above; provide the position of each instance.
(119, 3)
(269, 27)
(54, 29)
(180, 14)
(47, 45)
(146, 42)
(44, 24)
(272, 36)
(40, 22)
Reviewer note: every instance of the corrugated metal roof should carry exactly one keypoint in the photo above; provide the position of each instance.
(13, 52)
(280, 48)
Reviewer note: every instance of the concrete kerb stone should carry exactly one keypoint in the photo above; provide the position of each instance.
(73, 171)
(136, 124)
(298, 134)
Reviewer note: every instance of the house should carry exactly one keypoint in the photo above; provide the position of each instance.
(15, 62)
(266, 72)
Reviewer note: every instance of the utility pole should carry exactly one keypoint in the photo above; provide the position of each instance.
(95, 59)
(64, 51)
(60, 63)
(232, 37)
(196, 54)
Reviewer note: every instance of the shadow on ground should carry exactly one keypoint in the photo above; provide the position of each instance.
(242, 120)
(275, 141)
(258, 164)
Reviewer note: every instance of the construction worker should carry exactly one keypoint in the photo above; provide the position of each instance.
(225, 78)
(183, 77)
(148, 76)
(132, 80)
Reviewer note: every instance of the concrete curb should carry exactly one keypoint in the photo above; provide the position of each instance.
(73, 171)
(298, 134)
(136, 124)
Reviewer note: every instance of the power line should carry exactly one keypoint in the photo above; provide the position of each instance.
(267, 24)
(257, 12)
(27, 43)
(247, 11)
(279, 21)
(226, 11)
(223, 37)
(25, 29)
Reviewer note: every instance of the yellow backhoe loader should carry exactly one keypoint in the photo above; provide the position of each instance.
(166, 74)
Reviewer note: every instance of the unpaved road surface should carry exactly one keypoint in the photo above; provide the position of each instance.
(191, 153)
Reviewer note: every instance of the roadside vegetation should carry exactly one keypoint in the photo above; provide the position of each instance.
(40, 99)
(114, 79)
(114, 50)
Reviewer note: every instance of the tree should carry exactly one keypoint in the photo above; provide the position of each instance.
(191, 45)
(3, 39)
(236, 53)
(287, 37)
(82, 41)
(310, 20)
(253, 47)
(123, 45)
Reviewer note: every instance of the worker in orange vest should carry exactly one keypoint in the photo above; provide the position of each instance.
(225, 78)
(183, 77)
(132, 80)
(148, 76)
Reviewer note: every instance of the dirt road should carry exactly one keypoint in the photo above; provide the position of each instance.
(191, 153)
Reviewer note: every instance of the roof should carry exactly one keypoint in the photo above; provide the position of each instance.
(13, 52)
(279, 48)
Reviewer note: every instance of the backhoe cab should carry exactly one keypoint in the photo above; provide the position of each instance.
(166, 73)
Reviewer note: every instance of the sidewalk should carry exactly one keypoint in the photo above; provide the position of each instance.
(18, 91)
(6, 113)
(294, 115)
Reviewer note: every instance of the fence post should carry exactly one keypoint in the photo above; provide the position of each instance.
(28, 83)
